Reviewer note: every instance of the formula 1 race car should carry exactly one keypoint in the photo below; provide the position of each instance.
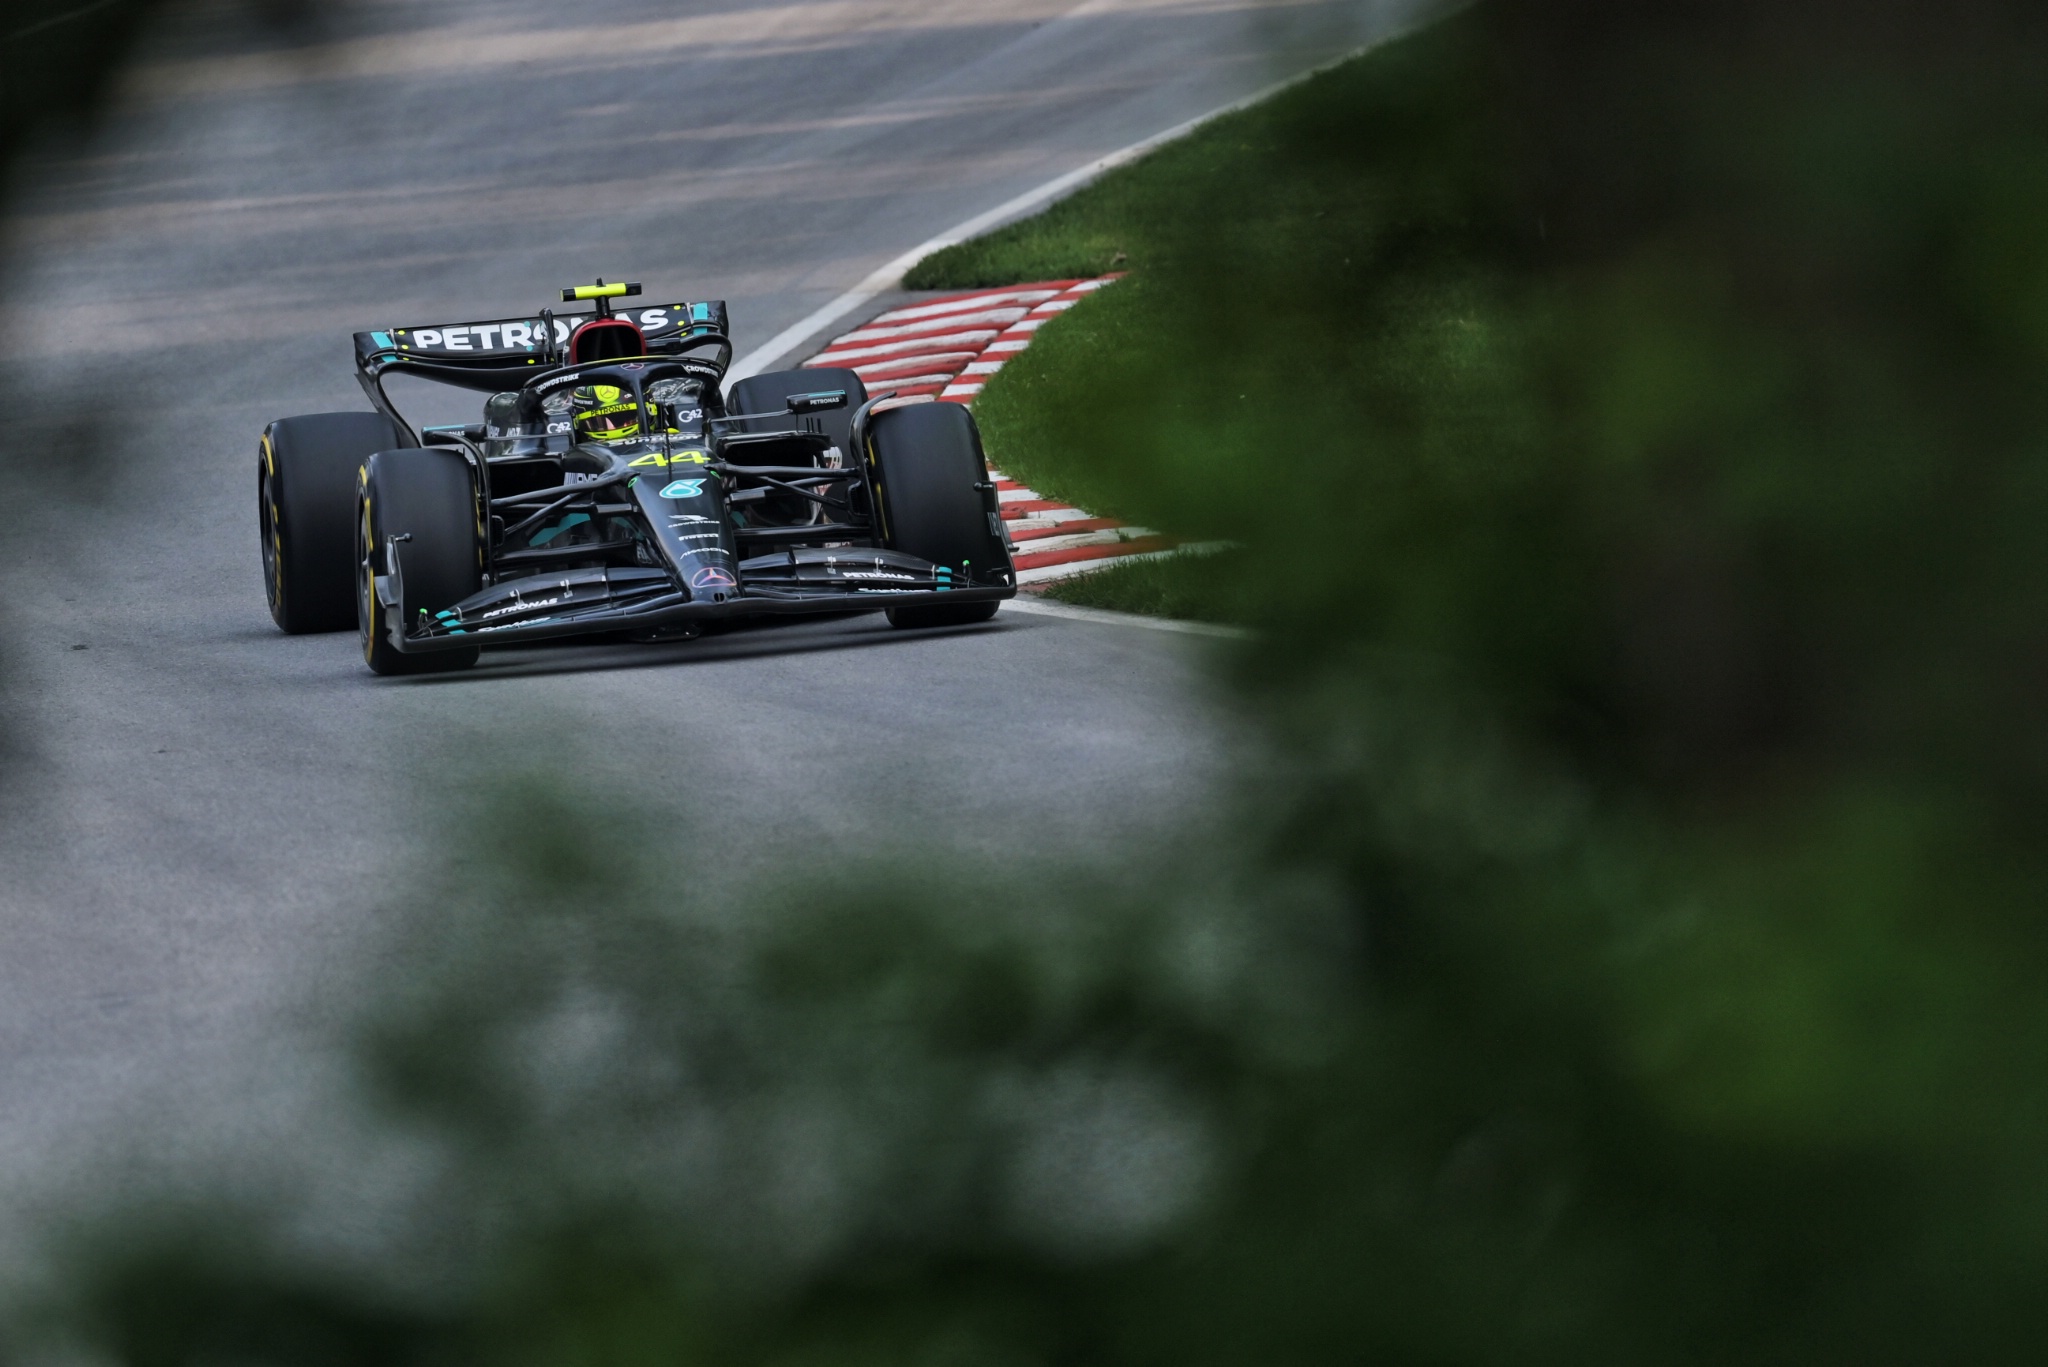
(616, 487)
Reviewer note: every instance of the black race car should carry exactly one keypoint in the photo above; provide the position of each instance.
(617, 487)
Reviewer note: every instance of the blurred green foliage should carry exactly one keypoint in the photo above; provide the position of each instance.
(58, 62)
(895, 1115)
(1632, 421)
(61, 58)
(1630, 949)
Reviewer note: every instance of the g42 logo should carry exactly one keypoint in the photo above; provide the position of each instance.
(684, 488)
(660, 461)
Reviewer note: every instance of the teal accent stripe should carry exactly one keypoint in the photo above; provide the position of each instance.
(564, 525)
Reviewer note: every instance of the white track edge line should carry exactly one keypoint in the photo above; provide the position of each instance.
(891, 276)
(1100, 617)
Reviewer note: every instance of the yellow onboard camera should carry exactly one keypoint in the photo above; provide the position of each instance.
(600, 290)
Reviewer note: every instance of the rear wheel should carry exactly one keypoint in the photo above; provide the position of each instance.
(305, 507)
(929, 477)
(427, 496)
(769, 394)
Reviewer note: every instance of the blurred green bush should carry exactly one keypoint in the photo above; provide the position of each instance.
(1631, 949)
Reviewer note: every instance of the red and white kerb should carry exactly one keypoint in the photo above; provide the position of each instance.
(945, 351)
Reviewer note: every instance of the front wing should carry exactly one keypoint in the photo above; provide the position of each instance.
(587, 601)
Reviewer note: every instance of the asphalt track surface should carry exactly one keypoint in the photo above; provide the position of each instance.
(203, 816)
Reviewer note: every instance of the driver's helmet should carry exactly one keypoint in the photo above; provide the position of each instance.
(604, 412)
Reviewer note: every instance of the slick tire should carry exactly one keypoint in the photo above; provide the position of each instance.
(768, 393)
(966, 615)
(429, 495)
(926, 465)
(306, 508)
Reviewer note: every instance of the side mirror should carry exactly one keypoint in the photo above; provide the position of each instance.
(817, 403)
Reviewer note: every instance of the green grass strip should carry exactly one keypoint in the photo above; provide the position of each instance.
(1192, 586)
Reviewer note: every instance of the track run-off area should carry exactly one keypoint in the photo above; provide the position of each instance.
(203, 818)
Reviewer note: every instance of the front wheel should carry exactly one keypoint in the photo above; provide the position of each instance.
(932, 490)
(942, 615)
(425, 497)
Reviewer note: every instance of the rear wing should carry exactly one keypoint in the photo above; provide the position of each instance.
(502, 352)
